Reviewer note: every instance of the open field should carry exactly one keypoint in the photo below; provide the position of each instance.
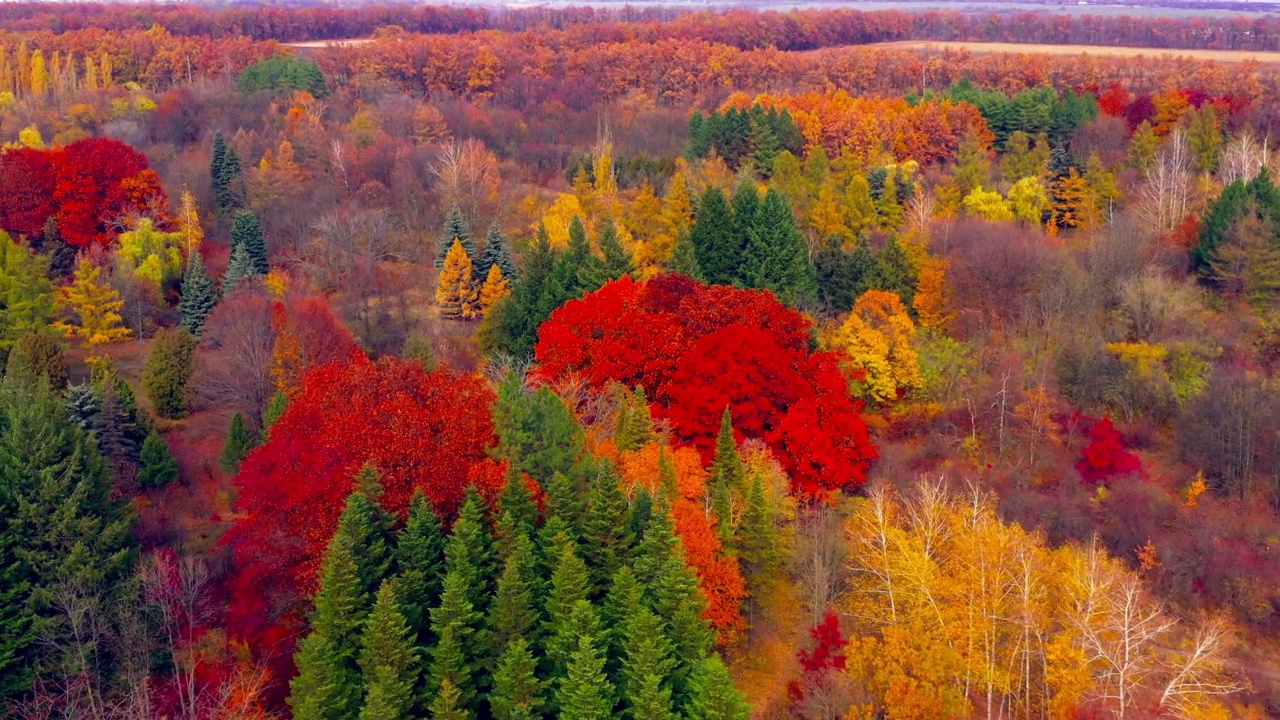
(994, 47)
(327, 43)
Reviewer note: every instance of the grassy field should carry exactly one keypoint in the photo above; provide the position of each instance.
(989, 47)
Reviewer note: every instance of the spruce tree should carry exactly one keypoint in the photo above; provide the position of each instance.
(217, 158)
(454, 622)
(61, 254)
(513, 614)
(684, 259)
(617, 259)
(497, 251)
(717, 248)
(239, 269)
(240, 440)
(656, 546)
(712, 695)
(624, 596)
(584, 693)
(247, 233)
(745, 205)
(775, 257)
(470, 549)
(679, 602)
(448, 703)
(517, 693)
(168, 369)
(329, 683)
(757, 540)
(456, 229)
(365, 525)
(59, 527)
(517, 514)
(512, 325)
(419, 554)
(727, 477)
(38, 355)
(82, 405)
(606, 526)
(225, 188)
(647, 667)
(198, 296)
(388, 660)
(570, 585)
(537, 434)
(633, 427)
(159, 468)
(764, 145)
(699, 142)
(276, 406)
(565, 505)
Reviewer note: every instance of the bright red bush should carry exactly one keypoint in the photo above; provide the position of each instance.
(420, 429)
(1105, 456)
(26, 190)
(699, 349)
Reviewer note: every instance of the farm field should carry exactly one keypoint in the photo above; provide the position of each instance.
(1110, 51)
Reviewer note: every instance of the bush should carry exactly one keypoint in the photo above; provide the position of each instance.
(39, 355)
(159, 468)
(168, 371)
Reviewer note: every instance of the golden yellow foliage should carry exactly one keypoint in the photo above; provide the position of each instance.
(931, 298)
(558, 217)
(876, 339)
(94, 307)
(456, 293)
(494, 289)
(1197, 488)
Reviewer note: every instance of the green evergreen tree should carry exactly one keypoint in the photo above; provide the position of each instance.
(38, 355)
(225, 188)
(240, 440)
(239, 270)
(584, 693)
(699, 142)
(59, 529)
(712, 694)
(518, 514)
(537, 434)
(454, 622)
(746, 204)
(684, 259)
(678, 601)
(217, 159)
(517, 693)
(82, 405)
(758, 540)
(727, 477)
(365, 525)
(447, 705)
(624, 597)
(633, 427)
(570, 585)
(470, 549)
(776, 258)
(457, 228)
(646, 667)
(717, 247)
(513, 614)
(565, 506)
(764, 145)
(511, 327)
(616, 262)
(275, 408)
(894, 272)
(247, 233)
(159, 468)
(606, 526)
(388, 660)
(198, 296)
(419, 555)
(329, 683)
(497, 251)
(168, 369)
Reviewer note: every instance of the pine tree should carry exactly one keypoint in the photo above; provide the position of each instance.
(198, 297)
(470, 550)
(717, 248)
(699, 140)
(247, 233)
(517, 693)
(497, 252)
(624, 596)
(518, 514)
(678, 601)
(764, 145)
(456, 229)
(239, 269)
(537, 434)
(159, 468)
(168, 369)
(367, 527)
(684, 259)
(776, 258)
(584, 693)
(388, 660)
(240, 440)
(712, 694)
(646, 667)
(633, 426)
(448, 705)
(456, 292)
(276, 406)
(606, 527)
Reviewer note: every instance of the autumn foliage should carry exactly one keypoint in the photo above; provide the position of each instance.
(420, 429)
(86, 186)
(1105, 457)
(699, 349)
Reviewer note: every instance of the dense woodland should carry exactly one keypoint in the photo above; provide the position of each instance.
(635, 364)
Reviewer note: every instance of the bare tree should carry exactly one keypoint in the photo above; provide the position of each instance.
(820, 558)
(468, 174)
(1243, 158)
(1166, 193)
(177, 592)
(235, 354)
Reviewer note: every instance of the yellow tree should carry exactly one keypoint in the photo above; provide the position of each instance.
(1028, 200)
(931, 298)
(987, 204)
(455, 292)
(39, 74)
(151, 253)
(859, 208)
(652, 244)
(825, 216)
(94, 308)
(876, 338)
(494, 289)
(1071, 200)
(189, 221)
